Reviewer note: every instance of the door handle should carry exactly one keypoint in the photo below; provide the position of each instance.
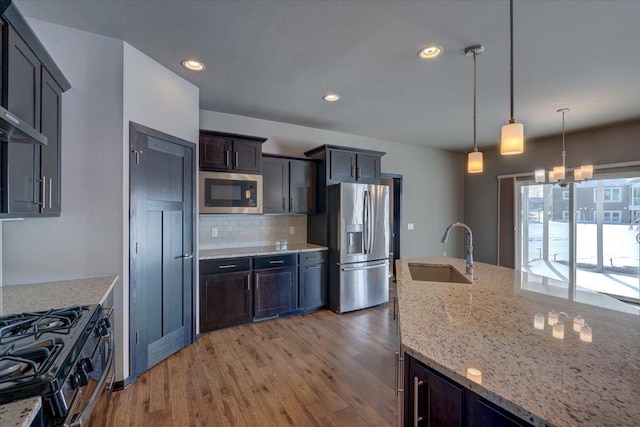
(283, 202)
(416, 383)
(227, 158)
(43, 188)
(276, 262)
(314, 267)
(187, 255)
(236, 160)
(222, 267)
(50, 190)
(364, 268)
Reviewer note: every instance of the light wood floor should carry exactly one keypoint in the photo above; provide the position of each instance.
(308, 370)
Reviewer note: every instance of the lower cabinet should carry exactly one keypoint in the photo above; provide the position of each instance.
(312, 278)
(431, 399)
(274, 291)
(225, 293)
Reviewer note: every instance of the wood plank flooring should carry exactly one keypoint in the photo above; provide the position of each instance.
(317, 369)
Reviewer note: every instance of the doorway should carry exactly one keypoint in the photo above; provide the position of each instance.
(162, 230)
(394, 181)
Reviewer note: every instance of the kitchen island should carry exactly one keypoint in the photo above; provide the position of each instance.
(482, 337)
(40, 297)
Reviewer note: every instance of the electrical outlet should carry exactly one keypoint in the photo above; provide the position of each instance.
(292, 229)
(410, 226)
(214, 232)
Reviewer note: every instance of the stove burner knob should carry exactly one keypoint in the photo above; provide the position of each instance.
(103, 327)
(78, 380)
(85, 365)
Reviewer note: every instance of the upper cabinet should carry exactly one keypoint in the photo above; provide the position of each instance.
(32, 89)
(342, 164)
(225, 152)
(289, 185)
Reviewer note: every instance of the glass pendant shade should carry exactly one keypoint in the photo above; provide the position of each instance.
(552, 176)
(586, 171)
(539, 174)
(512, 139)
(577, 175)
(558, 173)
(474, 162)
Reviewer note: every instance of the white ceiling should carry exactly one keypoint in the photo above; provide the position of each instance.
(275, 59)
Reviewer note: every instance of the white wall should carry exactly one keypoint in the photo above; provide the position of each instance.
(433, 180)
(155, 97)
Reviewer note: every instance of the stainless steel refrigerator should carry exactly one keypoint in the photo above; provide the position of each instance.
(358, 227)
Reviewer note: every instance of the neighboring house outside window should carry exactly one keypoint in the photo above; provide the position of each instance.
(565, 194)
(609, 216)
(611, 194)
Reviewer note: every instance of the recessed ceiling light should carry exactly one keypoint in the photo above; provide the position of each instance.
(193, 65)
(331, 97)
(429, 52)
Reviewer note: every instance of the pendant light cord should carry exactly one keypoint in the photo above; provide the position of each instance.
(564, 152)
(511, 120)
(475, 145)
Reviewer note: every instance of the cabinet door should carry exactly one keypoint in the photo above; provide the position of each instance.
(274, 291)
(215, 153)
(483, 413)
(368, 169)
(247, 156)
(302, 187)
(342, 166)
(275, 185)
(439, 401)
(23, 82)
(225, 300)
(313, 285)
(51, 153)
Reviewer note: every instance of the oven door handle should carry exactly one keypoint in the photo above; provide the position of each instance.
(83, 418)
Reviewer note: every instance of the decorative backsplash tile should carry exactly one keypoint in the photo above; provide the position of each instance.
(236, 231)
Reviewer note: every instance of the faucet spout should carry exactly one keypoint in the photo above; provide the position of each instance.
(469, 245)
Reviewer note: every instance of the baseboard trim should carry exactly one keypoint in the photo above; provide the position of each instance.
(121, 385)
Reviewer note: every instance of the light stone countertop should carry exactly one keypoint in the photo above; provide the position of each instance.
(40, 297)
(258, 251)
(489, 326)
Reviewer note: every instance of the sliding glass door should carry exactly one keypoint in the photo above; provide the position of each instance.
(597, 221)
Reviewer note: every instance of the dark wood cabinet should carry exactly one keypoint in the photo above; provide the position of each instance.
(368, 169)
(275, 285)
(342, 166)
(312, 279)
(23, 78)
(225, 293)
(436, 400)
(32, 87)
(226, 152)
(289, 185)
(51, 154)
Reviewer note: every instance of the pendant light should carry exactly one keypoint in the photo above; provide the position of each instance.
(559, 173)
(512, 134)
(474, 158)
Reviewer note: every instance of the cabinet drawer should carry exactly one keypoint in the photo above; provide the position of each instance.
(227, 265)
(311, 258)
(274, 261)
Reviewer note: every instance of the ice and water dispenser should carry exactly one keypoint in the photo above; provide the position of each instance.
(354, 239)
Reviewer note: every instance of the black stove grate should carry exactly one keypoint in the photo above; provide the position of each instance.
(16, 327)
(27, 362)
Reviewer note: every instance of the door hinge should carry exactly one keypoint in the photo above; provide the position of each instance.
(137, 152)
(137, 338)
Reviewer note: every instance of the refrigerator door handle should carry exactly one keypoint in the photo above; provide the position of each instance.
(368, 267)
(365, 220)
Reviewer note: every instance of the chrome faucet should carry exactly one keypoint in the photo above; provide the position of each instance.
(469, 249)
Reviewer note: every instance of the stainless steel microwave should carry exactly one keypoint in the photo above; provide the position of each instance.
(223, 192)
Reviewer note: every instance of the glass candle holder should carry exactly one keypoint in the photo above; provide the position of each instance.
(558, 330)
(538, 321)
(578, 322)
(586, 334)
(553, 318)
(474, 375)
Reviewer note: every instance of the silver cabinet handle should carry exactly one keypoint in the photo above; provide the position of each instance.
(314, 257)
(313, 267)
(276, 262)
(395, 303)
(227, 159)
(283, 201)
(50, 190)
(237, 161)
(397, 370)
(248, 283)
(351, 175)
(222, 267)
(187, 255)
(359, 173)
(43, 185)
(416, 383)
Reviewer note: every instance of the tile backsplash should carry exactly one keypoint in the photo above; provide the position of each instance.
(235, 231)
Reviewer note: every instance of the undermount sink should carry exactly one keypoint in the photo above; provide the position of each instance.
(436, 273)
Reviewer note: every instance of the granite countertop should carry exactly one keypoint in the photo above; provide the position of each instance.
(40, 297)
(489, 326)
(259, 250)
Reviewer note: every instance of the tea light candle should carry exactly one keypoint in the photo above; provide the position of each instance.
(553, 318)
(474, 375)
(538, 321)
(586, 334)
(558, 330)
(578, 322)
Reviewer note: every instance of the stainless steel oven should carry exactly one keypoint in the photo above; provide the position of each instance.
(223, 192)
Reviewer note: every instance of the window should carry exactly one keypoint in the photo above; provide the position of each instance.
(601, 254)
(611, 194)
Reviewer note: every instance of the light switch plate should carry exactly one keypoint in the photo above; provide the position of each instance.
(292, 229)
(214, 232)
(410, 226)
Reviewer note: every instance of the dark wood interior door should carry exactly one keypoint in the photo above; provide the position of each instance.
(162, 175)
